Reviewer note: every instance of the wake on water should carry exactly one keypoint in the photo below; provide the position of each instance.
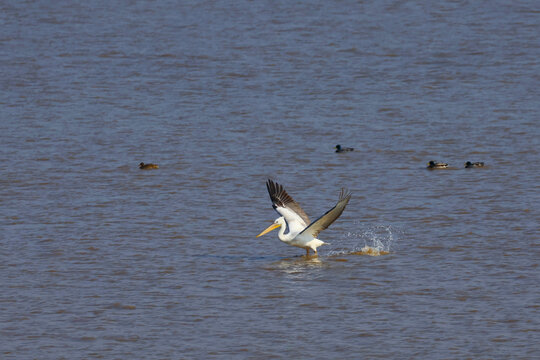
(376, 240)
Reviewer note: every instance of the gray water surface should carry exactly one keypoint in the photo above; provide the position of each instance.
(99, 259)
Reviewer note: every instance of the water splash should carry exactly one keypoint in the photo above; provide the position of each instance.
(376, 240)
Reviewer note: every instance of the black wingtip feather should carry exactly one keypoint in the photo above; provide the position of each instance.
(277, 194)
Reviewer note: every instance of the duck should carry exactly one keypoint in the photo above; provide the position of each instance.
(339, 149)
(469, 164)
(437, 165)
(144, 166)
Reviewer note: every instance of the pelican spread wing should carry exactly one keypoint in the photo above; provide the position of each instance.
(284, 204)
(330, 216)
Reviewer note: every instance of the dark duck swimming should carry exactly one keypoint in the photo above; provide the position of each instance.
(436, 165)
(340, 149)
(477, 164)
(144, 166)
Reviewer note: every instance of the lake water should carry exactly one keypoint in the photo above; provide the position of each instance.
(99, 259)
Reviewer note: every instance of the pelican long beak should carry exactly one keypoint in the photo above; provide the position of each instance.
(268, 229)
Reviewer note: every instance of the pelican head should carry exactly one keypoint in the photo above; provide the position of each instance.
(277, 223)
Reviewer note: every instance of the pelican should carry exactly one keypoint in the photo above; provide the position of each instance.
(144, 166)
(302, 232)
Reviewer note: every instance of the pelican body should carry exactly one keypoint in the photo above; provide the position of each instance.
(302, 232)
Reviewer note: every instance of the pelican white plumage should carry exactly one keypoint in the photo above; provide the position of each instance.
(302, 233)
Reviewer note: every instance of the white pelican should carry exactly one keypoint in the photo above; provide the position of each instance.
(300, 233)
